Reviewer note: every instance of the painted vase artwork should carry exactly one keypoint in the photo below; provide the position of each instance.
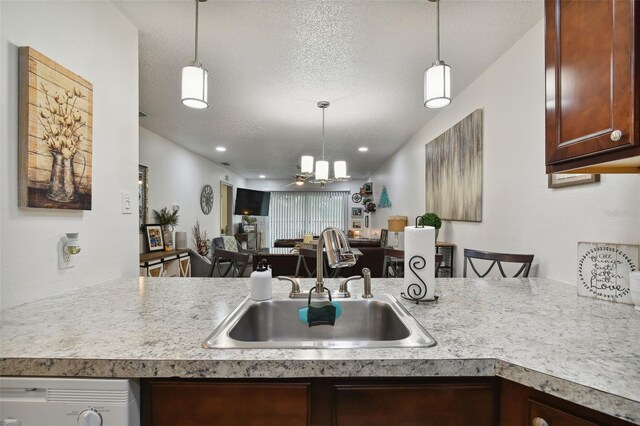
(55, 132)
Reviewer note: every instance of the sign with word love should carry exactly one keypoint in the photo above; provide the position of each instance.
(603, 270)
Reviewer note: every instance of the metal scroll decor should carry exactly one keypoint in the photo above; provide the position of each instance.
(416, 292)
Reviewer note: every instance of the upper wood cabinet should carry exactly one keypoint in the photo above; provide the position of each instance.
(592, 88)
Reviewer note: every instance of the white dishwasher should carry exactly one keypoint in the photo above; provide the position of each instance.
(35, 401)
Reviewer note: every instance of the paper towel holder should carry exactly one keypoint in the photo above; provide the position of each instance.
(416, 292)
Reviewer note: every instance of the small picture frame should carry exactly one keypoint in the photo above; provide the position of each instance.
(356, 224)
(366, 221)
(356, 211)
(562, 180)
(368, 188)
(155, 241)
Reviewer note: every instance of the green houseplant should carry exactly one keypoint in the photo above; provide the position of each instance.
(168, 219)
(431, 219)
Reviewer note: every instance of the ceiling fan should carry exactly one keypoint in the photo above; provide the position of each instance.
(299, 178)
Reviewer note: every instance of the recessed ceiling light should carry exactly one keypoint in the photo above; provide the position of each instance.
(262, 176)
(363, 149)
(221, 148)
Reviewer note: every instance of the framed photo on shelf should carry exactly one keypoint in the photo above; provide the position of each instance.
(561, 180)
(356, 211)
(154, 237)
(356, 224)
(368, 188)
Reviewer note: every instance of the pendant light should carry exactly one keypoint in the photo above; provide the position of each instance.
(194, 78)
(321, 174)
(437, 78)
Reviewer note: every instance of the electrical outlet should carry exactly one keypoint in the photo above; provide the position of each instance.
(65, 260)
(126, 203)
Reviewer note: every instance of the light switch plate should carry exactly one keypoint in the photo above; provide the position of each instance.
(126, 203)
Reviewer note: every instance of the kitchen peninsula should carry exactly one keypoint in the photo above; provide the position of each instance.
(535, 332)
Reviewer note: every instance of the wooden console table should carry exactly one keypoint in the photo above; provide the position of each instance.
(174, 263)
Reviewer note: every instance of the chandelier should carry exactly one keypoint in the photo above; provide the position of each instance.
(321, 175)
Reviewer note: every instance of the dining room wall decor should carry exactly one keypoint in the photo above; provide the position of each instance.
(55, 115)
(453, 175)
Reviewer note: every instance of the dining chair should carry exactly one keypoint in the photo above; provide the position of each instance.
(225, 263)
(497, 259)
(228, 262)
(306, 257)
(384, 237)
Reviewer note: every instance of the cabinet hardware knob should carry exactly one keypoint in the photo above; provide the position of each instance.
(537, 421)
(616, 135)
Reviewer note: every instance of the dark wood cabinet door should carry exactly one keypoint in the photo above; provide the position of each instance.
(437, 405)
(591, 91)
(553, 416)
(521, 405)
(170, 403)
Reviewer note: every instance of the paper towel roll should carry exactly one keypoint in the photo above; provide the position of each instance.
(419, 262)
(181, 240)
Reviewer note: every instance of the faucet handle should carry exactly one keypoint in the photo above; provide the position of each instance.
(295, 285)
(344, 285)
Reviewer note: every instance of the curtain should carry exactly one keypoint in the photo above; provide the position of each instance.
(292, 214)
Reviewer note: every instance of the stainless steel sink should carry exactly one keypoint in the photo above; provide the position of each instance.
(379, 322)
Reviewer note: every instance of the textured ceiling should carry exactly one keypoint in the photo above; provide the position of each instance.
(270, 62)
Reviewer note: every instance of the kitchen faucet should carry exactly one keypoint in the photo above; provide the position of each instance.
(339, 254)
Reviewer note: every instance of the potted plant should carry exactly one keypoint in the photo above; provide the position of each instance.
(168, 219)
(200, 240)
(250, 221)
(431, 219)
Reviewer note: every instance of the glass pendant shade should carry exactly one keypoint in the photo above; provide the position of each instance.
(306, 164)
(340, 169)
(322, 170)
(437, 85)
(194, 87)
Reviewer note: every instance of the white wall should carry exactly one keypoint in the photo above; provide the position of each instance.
(176, 177)
(520, 214)
(94, 40)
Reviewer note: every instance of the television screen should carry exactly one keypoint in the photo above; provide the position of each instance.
(251, 202)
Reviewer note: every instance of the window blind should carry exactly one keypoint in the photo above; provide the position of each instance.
(292, 214)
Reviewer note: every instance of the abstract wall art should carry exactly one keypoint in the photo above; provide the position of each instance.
(454, 171)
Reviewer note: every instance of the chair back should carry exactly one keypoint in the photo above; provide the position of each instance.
(306, 257)
(235, 262)
(497, 259)
(439, 258)
(384, 237)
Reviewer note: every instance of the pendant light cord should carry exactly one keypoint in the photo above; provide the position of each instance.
(196, 44)
(437, 26)
(323, 134)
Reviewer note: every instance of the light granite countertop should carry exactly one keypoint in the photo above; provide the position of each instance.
(537, 332)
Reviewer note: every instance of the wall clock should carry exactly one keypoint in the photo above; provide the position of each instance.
(206, 199)
(356, 198)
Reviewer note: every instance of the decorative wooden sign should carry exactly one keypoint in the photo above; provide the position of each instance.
(55, 135)
(603, 270)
